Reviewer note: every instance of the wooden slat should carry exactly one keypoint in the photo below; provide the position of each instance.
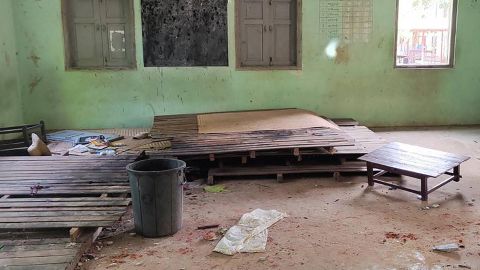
(53, 224)
(68, 199)
(35, 253)
(5, 204)
(59, 213)
(56, 266)
(46, 209)
(58, 218)
(33, 261)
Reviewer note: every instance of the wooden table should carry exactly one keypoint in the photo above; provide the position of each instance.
(413, 161)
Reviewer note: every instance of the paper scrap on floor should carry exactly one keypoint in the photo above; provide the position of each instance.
(250, 234)
(73, 136)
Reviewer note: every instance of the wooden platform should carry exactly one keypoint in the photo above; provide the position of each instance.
(62, 192)
(186, 140)
(281, 171)
(255, 151)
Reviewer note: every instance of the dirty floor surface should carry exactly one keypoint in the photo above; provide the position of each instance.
(331, 224)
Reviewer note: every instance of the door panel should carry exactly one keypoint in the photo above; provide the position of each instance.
(253, 16)
(117, 33)
(84, 32)
(284, 36)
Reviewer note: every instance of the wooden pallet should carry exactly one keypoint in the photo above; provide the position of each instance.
(63, 175)
(42, 249)
(37, 253)
(365, 141)
(62, 192)
(187, 142)
(206, 144)
(280, 171)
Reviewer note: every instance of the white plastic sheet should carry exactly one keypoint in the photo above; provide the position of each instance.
(250, 234)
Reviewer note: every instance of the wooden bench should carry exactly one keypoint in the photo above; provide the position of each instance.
(413, 161)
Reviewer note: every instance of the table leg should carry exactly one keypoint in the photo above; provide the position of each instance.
(424, 191)
(456, 173)
(370, 174)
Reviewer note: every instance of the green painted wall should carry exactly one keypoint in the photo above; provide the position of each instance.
(10, 102)
(364, 86)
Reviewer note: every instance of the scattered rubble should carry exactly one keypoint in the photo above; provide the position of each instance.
(447, 248)
(402, 237)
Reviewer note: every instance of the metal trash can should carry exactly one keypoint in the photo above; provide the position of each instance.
(157, 196)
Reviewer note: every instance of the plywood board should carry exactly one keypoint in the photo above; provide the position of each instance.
(261, 120)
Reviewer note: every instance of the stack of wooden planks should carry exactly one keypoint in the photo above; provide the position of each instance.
(187, 140)
(53, 192)
(63, 175)
(340, 139)
(69, 197)
(42, 251)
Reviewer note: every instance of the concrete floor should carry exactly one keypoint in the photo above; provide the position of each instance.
(331, 224)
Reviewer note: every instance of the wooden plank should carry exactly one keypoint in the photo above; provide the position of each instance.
(67, 199)
(52, 266)
(32, 261)
(30, 242)
(36, 253)
(23, 219)
(68, 208)
(65, 191)
(274, 170)
(62, 246)
(52, 224)
(7, 204)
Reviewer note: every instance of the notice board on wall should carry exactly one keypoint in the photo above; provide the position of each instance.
(347, 20)
(184, 33)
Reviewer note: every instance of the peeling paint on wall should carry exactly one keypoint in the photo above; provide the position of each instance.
(34, 83)
(34, 58)
(364, 85)
(11, 113)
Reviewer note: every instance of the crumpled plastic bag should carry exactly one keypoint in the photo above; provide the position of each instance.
(250, 234)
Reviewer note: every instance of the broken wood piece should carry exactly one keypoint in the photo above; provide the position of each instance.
(141, 136)
(208, 227)
(253, 154)
(210, 180)
(75, 234)
(244, 160)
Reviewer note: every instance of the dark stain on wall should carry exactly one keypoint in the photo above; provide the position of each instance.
(184, 33)
(34, 83)
(343, 57)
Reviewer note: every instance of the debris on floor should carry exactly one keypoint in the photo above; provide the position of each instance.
(141, 136)
(250, 234)
(38, 147)
(402, 237)
(428, 207)
(447, 248)
(214, 189)
(205, 227)
(74, 136)
(210, 236)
